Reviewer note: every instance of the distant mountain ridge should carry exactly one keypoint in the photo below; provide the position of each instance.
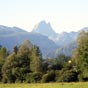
(65, 41)
(8, 30)
(11, 36)
(50, 43)
(60, 39)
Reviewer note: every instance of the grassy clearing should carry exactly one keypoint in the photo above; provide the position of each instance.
(47, 85)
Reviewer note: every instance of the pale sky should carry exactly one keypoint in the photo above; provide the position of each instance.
(64, 15)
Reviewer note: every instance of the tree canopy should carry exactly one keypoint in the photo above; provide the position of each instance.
(80, 56)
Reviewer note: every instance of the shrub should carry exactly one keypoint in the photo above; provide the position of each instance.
(49, 77)
(34, 77)
(67, 76)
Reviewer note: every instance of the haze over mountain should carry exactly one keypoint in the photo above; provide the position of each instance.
(60, 39)
(11, 36)
(50, 43)
(84, 29)
(65, 41)
(65, 38)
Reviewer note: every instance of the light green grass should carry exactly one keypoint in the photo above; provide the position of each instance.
(46, 85)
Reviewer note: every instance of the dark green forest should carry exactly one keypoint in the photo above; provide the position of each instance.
(25, 64)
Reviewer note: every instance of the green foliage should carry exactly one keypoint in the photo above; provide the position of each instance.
(15, 68)
(25, 49)
(25, 64)
(7, 68)
(83, 76)
(61, 62)
(1, 64)
(15, 49)
(17, 65)
(66, 75)
(34, 77)
(62, 59)
(36, 60)
(3, 52)
(48, 77)
(3, 55)
(44, 66)
(80, 56)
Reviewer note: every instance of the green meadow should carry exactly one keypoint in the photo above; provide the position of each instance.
(47, 85)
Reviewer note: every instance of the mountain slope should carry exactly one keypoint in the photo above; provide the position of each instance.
(10, 37)
(60, 39)
(66, 50)
(65, 38)
(50, 46)
(67, 43)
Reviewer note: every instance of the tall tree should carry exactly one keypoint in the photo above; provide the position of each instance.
(80, 56)
(36, 60)
(15, 49)
(17, 64)
(25, 48)
(7, 68)
(3, 52)
(3, 56)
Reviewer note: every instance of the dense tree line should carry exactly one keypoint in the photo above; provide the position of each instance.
(80, 56)
(26, 65)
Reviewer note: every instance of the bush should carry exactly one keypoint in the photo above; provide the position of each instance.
(49, 77)
(67, 76)
(83, 76)
(34, 77)
(80, 78)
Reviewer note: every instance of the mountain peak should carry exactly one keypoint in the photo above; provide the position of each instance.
(44, 29)
(42, 22)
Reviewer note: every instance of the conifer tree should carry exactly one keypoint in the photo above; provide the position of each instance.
(36, 60)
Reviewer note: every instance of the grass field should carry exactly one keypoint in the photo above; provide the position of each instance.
(46, 85)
